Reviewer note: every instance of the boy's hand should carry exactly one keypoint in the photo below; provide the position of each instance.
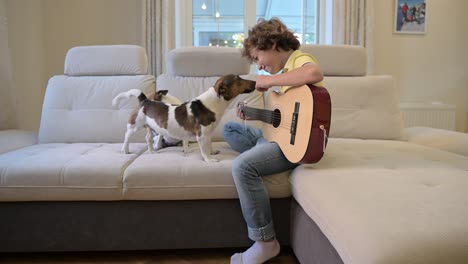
(263, 83)
(240, 110)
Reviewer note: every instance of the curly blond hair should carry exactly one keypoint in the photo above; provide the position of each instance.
(268, 32)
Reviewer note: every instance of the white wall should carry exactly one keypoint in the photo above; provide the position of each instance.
(431, 67)
(427, 68)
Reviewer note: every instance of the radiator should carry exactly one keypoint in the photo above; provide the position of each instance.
(436, 115)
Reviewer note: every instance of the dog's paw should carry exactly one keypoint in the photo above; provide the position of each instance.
(187, 151)
(125, 151)
(156, 148)
(151, 149)
(211, 160)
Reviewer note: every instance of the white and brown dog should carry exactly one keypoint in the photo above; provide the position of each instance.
(162, 142)
(195, 119)
(165, 97)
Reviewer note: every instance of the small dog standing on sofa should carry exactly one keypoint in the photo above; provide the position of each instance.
(151, 135)
(194, 119)
(165, 97)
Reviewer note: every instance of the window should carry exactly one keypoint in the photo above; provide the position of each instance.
(225, 22)
(217, 23)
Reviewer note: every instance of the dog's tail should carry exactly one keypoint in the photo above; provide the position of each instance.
(134, 92)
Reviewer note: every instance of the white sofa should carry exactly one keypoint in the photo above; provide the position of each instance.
(380, 194)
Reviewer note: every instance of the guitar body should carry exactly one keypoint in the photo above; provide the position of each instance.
(312, 106)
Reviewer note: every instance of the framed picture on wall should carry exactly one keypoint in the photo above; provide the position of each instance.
(410, 16)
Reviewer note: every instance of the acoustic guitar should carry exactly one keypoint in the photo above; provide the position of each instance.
(298, 121)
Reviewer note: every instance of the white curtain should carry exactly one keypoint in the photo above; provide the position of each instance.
(353, 25)
(7, 99)
(159, 22)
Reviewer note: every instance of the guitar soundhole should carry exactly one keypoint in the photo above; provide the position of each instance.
(276, 118)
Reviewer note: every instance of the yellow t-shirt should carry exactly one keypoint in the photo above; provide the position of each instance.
(296, 60)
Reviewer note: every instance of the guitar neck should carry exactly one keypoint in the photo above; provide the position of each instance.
(263, 115)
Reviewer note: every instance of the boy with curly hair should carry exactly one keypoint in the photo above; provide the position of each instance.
(275, 49)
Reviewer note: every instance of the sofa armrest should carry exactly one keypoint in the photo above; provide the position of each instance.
(12, 139)
(452, 141)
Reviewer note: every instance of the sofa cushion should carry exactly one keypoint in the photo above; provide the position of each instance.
(106, 60)
(169, 174)
(206, 61)
(79, 109)
(388, 201)
(65, 172)
(339, 60)
(451, 141)
(192, 70)
(364, 107)
(12, 139)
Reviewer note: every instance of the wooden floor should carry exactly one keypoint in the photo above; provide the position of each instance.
(196, 256)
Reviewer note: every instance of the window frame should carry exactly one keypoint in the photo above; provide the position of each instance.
(183, 24)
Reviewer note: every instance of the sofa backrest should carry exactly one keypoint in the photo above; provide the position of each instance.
(363, 106)
(78, 107)
(192, 70)
(335, 60)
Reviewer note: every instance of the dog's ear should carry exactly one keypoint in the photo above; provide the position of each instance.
(219, 87)
(218, 82)
(221, 92)
(163, 92)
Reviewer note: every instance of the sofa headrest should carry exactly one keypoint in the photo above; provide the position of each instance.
(339, 60)
(106, 60)
(206, 61)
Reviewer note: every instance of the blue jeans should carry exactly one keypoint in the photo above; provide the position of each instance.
(258, 158)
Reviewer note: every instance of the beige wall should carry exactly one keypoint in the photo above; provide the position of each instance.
(42, 31)
(464, 53)
(431, 67)
(26, 41)
(88, 22)
(427, 68)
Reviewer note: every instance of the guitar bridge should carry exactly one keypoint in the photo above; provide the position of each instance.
(294, 119)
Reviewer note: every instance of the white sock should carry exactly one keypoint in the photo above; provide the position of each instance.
(259, 252)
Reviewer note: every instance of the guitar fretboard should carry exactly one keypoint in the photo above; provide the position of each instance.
(267, 116)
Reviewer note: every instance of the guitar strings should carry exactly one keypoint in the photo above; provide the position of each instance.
(274, 117)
